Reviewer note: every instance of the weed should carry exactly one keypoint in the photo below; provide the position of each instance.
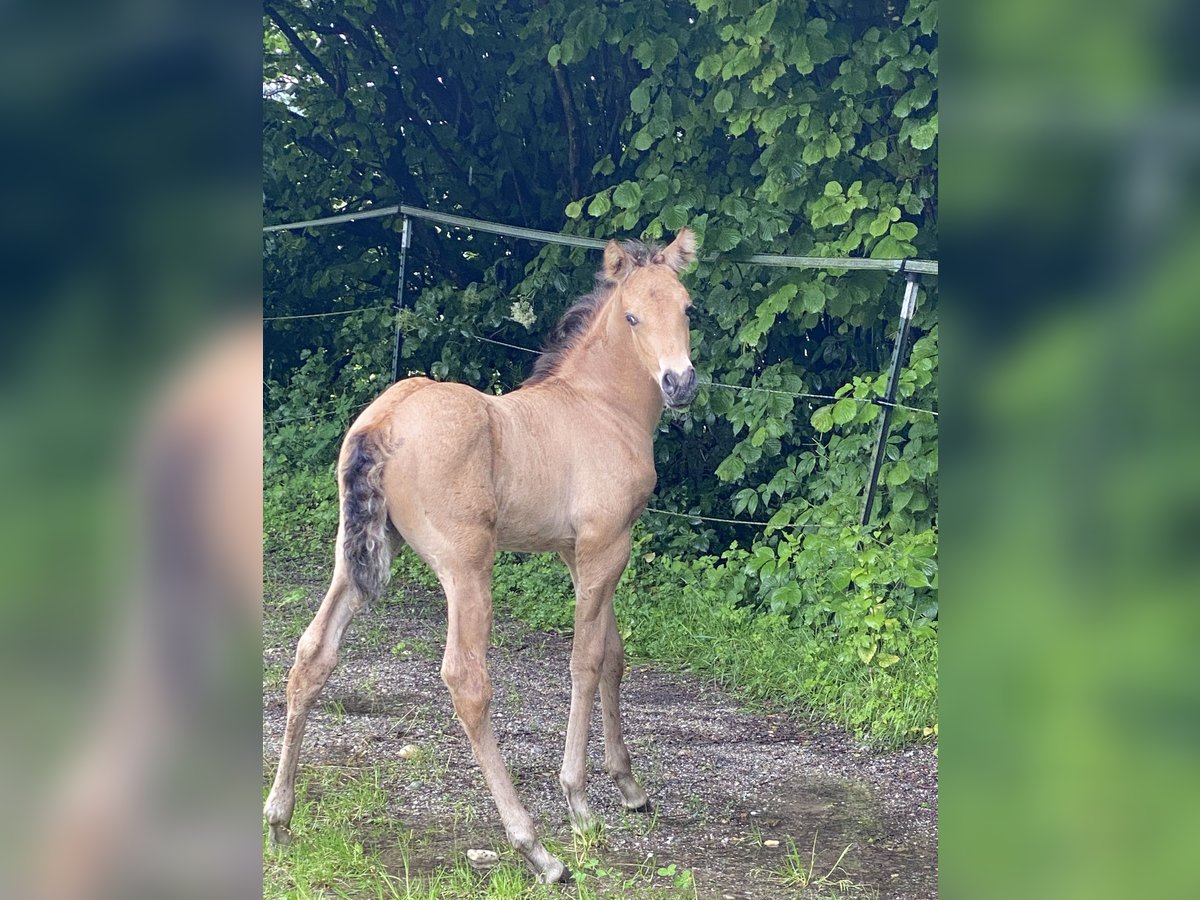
(797, 871)
(274, 676)
(372, 637)
(336, 709)
(427, 767)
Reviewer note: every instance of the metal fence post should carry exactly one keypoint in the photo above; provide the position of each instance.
(405, 237)
(907, 309)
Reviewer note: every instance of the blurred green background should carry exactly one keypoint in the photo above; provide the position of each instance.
(1070, 681)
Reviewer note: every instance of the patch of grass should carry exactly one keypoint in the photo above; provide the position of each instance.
(596, 878)
(416, 647)
(427, 767)
(799, 871)
(341, 817)
(274, 676)
(371, 636)
(336, 710)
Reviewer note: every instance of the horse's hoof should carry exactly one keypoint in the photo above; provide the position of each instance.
(281, 835)
(646, 807)
(556, 874)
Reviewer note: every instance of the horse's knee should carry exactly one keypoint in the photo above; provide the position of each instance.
(470, 689)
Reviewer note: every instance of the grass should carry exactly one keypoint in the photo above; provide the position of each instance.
(799, 876)
(345, 844)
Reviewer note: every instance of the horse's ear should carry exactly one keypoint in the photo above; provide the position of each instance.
(617, 263)
(680, 252)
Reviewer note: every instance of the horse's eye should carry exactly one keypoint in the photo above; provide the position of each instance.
(687, 311)
(631, 318)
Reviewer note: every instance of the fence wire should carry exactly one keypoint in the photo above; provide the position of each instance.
(923, 266)
(926, 267)
(323, 315)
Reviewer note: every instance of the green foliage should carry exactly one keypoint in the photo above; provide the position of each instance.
(806, 129)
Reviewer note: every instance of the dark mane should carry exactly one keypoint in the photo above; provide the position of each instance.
(575, 321)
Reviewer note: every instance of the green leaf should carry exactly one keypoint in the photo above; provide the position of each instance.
(923, 136)
(778, 301)
(833, 146)
(657, 190)
(904, 231)
(627, 195)
(760, 23)
(890, 248)
(915, 578)
(812, 298)
(731, 469)
(840, 579)
(899, 473)
(833, 188)
(665, 51)
(642, 140)
(887, 659)
(639, 100)
(723, 101)
(675, 217)
(822, 419)
(574, 209)
(554, 55)
(600, 205)
(844, 411)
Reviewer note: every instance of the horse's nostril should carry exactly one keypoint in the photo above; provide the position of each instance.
(670, 382)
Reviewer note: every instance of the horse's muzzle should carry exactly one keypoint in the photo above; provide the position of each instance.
(679, 388)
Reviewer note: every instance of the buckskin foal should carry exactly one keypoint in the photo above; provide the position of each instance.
(565, 463)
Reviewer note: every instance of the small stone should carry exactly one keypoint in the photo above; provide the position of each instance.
(771, 843)
(410, 751)
(482, 859)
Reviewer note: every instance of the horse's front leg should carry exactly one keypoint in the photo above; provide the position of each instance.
(597, 567)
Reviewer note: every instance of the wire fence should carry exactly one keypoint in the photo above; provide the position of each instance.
(908, 267)
(323, 315)
(920, 266)
(877, 401)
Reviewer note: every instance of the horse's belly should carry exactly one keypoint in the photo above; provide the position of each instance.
(532, 531)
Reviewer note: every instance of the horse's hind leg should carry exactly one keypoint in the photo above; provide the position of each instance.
(464, 669)
(316, 656)
(616, 755)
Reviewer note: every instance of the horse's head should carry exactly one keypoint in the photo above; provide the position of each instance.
(656, 304)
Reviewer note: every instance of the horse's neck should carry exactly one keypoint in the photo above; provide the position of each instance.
(605, 369)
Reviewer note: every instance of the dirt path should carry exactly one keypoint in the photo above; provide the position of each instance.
(726, 783)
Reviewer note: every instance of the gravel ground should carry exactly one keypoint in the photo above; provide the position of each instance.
(726, 783)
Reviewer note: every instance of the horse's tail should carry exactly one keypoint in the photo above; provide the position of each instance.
(365, 540)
